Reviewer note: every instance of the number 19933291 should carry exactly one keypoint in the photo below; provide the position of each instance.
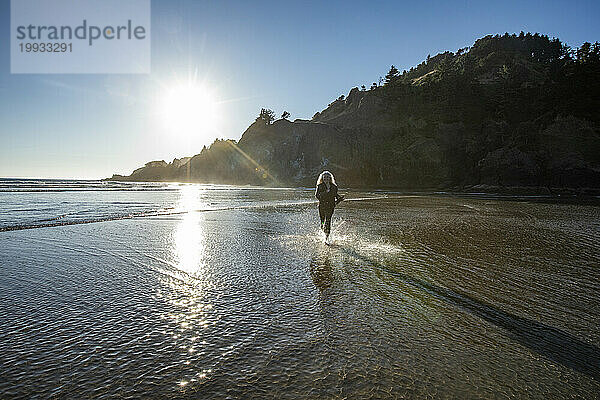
(46, 47)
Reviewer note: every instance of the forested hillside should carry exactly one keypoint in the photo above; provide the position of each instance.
(512, 110)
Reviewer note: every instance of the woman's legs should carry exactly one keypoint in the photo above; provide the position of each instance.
(325, 214)
(321, 216)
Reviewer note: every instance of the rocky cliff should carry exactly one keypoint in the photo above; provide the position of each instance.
(509, 111)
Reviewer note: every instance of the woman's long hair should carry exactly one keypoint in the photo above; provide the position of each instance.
(320, 179)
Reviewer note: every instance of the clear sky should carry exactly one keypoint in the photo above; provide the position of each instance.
(294, 56)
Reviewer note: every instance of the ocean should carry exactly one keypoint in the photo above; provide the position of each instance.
(172, 290)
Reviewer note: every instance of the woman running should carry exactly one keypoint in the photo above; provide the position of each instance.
(327, 193)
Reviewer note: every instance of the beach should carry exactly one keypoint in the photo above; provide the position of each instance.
(207, 291)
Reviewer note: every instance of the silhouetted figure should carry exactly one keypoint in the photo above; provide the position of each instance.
(327, 193)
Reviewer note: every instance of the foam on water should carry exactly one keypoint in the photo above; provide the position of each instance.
(38, 203)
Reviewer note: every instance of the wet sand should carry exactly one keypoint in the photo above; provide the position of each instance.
(418, 296)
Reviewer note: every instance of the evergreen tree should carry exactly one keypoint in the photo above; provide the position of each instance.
(391, 75)
(266, 115)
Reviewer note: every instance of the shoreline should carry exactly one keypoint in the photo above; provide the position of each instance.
(479, 189)
(482, 189)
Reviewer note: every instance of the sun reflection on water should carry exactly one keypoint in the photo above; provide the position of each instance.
(188, 238)
(189, 285)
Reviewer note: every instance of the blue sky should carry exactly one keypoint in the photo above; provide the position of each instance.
(294, 56)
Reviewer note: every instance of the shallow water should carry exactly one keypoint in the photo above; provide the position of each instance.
(230, 292)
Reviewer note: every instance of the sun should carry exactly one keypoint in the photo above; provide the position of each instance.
(190, 110)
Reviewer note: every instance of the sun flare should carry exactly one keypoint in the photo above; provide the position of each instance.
(190, 110)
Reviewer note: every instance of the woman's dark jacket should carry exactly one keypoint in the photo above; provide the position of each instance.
(327, 199)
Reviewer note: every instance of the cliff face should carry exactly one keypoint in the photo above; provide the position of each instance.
(510, 111)
(155, 171)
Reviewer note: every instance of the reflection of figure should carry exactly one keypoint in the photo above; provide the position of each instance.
(321, 273)
(327, 193)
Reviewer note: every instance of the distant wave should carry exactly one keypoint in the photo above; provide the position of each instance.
(63, 185)
(66, 185)
(54, 222)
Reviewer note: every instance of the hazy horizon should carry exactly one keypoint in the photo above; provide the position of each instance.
(296, 58)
